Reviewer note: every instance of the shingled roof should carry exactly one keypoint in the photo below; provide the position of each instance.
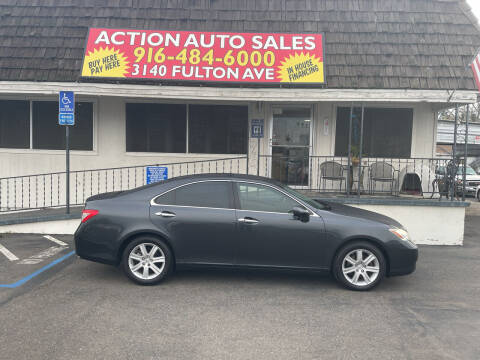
(391, 44)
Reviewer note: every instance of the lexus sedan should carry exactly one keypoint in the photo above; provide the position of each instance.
(239, 221)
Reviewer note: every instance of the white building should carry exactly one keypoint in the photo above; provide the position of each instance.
(402, 61)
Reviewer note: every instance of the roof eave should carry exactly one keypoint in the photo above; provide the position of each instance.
(290, 95)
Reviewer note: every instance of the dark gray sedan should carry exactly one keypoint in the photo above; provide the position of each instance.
(239, 221)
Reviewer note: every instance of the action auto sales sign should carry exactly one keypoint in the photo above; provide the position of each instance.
(204, 56)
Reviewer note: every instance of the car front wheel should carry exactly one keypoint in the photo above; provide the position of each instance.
(359, 266)
(147, 261)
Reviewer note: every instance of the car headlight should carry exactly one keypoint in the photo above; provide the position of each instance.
(400, 233)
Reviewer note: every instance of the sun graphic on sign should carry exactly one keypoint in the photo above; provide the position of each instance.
(105, 62)
(300, 68)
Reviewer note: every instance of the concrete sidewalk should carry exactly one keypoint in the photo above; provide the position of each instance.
(39, 215)
(43, 221)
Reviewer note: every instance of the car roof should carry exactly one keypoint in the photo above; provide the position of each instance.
(187, 178)
(222, 176)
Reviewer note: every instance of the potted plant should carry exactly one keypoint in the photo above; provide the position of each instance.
(355, 155)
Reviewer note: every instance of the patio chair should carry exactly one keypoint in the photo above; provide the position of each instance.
(333, 171)
(381, 172)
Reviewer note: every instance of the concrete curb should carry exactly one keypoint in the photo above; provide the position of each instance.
(40, 218)
(36, 219)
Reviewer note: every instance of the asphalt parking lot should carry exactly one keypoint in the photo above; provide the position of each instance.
(82, 310)
(23, 255)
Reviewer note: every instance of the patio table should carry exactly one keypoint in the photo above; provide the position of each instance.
(353, 169)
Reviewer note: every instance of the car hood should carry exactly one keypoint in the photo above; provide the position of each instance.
(473, 177)
(351, 211)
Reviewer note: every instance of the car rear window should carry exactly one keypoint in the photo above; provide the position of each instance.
(212, 194)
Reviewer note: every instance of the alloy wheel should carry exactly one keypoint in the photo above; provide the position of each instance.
(146, 261)
(360, 267)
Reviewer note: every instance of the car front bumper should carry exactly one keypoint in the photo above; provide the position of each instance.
(470, 190)
(403, 259)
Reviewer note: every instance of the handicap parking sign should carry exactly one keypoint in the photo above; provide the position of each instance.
(66, 108)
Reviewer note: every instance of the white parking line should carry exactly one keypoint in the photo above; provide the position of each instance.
(35, 259)
(51, 238)
(7, 253)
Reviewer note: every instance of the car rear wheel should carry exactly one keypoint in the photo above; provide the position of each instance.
(359, 266)
(147, 260)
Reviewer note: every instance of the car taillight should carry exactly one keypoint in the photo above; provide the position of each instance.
(87, 214)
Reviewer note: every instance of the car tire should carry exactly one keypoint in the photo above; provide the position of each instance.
(478, 196)
(359, 266)
(147, 260)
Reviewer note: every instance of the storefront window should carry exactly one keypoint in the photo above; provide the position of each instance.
(156, 128)
(15, 118)
(218, 129)
(47, 134)
(212, 129)
(14, 124)
(387, 133)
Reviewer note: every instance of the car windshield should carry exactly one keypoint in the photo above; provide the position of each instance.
(313, 203)
(469, 171)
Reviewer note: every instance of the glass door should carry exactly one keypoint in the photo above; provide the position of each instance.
(291, 144)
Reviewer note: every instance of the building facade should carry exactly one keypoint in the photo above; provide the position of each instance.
(392, 64)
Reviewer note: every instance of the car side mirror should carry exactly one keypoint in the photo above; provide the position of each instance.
(300, 214)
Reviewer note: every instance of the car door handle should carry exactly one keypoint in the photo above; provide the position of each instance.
(248, 220)
(165, 214)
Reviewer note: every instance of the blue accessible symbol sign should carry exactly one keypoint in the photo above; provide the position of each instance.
(156, 173)
(66, 108)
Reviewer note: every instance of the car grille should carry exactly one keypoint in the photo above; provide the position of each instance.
(473, 183)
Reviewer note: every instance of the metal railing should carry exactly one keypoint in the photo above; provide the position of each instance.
(426, 177)
(48, 190)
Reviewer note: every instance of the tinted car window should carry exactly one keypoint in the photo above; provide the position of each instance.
(264, 198)
(214, 194)
(166, 199)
